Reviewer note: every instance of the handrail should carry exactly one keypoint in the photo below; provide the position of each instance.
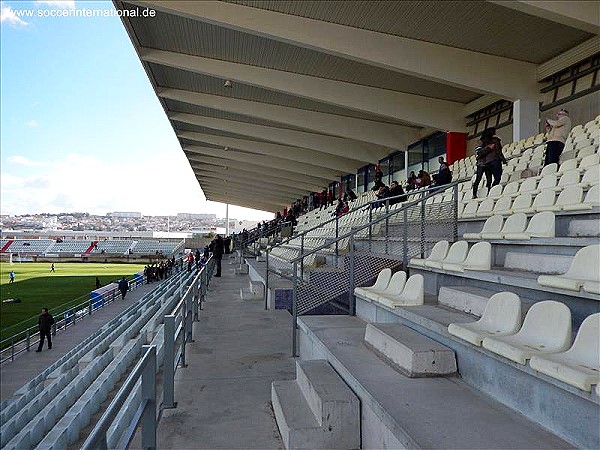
(404, 207)
(146, 370)
(366, 205)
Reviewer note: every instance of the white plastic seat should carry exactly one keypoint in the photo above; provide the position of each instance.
(592, 287)
(515, 223)
(522, 203)
(528, 185)
(503, 205)
(493, 224)
(591, 176)
(591, 200)
(547, 182)
(438, 252)
(546, 329)
(456, 254)
(569, 164)
(580, 365)
(570, 198)
(541, 224)
(470, 209)
(584, 267)
(501, 317)
(495, 191)
(544, 201)
(478, 258)
(383, 279)
(413, 293)
(589, 161)
(511, 189)
(394, 287)
(485, 208)
(586, 151)
(568, 178)
(547, 170)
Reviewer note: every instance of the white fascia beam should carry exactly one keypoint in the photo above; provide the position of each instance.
(386, 134)
(261, 171)
(246, 203)
(268, 162)
(297, 154)
(250, 176)
(346, 148)
(583, 15)
(410, 108)
(235, 181)
(449, 65)
(259, 194)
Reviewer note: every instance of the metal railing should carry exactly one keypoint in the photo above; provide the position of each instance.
(69, 316)
(178, 327)
(409, 229)
(145, 415)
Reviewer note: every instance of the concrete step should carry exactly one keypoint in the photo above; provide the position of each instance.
(297, 424)
(331, 400)
(584, 227)
(472, 300)
(412, 353)
(539, 263)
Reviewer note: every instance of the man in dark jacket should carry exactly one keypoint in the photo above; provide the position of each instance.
(218, 250)
(45, 322)
(123, 287)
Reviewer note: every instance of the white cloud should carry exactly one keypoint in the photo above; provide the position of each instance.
(156, 186)
(21, 160)
(32, 123)
(64, 4)
(8, 16)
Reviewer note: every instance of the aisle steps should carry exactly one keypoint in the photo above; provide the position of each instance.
(317, 410)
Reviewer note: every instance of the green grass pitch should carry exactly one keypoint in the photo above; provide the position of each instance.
(37, 288)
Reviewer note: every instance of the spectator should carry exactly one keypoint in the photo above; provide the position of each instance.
(381, 194)
(45, 322)
(227, 243)
(346, 208)
(497, 157)
(423, 179)
(444, 175)
(397, 192)
(378, 181)
(123, 287)
(218, 250)
(339, 208)
(349, 196)
(557, 130)
(411, 181)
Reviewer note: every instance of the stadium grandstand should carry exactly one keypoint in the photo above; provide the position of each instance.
(444, 317)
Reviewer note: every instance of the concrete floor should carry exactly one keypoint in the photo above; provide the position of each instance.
(28, 365)
(224, 394)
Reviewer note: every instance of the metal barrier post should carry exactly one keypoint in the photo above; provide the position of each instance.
(351, 299)
(370, 224)
(28, 339)
(169, 365)
(148, 419)
(53, 329)
(294, 309)
(302, 253)
(337, 233)
(455, 211)
(90, 307)
(405, 240)
(267, 281)
(188, 316)
(12, 349)
(423, 227)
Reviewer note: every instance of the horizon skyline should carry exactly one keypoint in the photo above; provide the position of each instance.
(81, 127)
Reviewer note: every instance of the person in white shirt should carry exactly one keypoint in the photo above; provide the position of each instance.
(557, 130)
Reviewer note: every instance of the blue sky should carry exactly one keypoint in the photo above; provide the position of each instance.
(81, 127)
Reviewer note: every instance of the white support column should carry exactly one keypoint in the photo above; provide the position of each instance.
(526, 117)
(227, 219)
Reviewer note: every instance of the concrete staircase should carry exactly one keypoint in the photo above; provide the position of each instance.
(317, 410)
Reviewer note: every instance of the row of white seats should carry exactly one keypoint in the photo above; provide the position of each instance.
(544, 338)
(457, 257)
(541, 225)
(394, 290)
(570, 199)
(584, 272)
